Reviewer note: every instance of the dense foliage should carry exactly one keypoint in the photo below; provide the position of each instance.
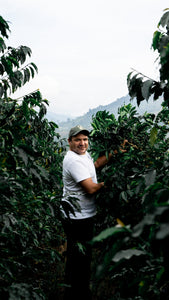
(30, 186)
(135, 198)
(132, 238)
(141, 86)
(134, 207)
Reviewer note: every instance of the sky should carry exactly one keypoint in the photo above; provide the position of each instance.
(84, 50)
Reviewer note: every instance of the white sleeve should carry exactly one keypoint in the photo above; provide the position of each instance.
(79, 172)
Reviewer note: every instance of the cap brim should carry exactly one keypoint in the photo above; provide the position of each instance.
(85, 131)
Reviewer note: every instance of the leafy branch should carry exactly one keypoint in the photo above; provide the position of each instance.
(141, 89)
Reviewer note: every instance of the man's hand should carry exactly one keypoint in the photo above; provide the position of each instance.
(103, 160)
(123, 145)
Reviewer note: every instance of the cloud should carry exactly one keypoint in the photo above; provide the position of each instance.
(84, 49)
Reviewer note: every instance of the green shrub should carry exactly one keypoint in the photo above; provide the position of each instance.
(133, 209)
(30, 184)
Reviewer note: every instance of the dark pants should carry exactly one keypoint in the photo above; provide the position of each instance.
(79, 233)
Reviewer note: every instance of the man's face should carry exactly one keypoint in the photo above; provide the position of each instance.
(79, 143)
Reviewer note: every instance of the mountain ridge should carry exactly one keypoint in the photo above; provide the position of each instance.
(85, 120)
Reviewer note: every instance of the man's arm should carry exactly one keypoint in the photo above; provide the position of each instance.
(91, 187)
(103, 160)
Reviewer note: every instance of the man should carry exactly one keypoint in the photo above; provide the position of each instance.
(80, 182)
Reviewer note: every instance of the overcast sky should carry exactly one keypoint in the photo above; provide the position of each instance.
(84, 49)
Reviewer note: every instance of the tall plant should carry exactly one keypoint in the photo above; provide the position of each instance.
(141, 86)
(134, 206)
(30, 182)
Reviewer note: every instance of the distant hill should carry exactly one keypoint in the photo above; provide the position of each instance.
(85, 120)
(57, 118)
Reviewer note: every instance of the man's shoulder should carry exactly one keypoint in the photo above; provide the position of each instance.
(70, 157)
(71, 154)
(73, 157)
(88, 154)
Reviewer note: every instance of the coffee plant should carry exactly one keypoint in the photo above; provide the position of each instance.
(131, 237)
(30, 183)
(133, 208)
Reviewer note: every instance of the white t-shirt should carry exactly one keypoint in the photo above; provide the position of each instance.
(76, 168)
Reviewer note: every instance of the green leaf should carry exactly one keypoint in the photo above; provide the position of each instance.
(23, 155)
(4, 27)
(146, 89)
(134, 86)
(22, 52)
(2, 45)
(26, 75)
(2, 69)
(163, 231)
(123, 195)
(42, 111)
(153, 136)
(127, 254)
(25, 109)
(81, 248)
(43, 172)
(14, 61)
(34, 66)
(107, 233)
(32, 71)
(147, 220)
(156, 38)
(150, 177)
(34, 172)
(7, 65)
(18, 76)
(1, 90)
(164, 20)
(157, 90)
(26, 50)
